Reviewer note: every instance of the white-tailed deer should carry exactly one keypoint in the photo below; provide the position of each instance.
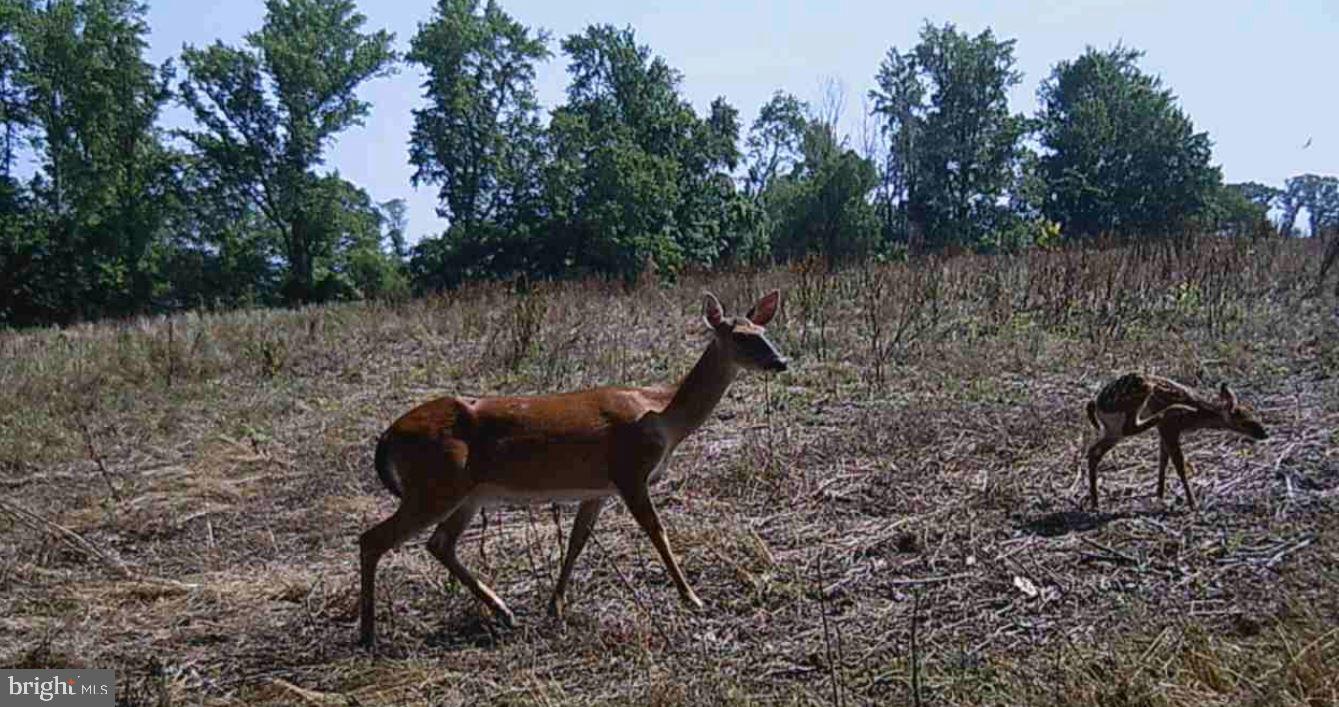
(1136, 402)
(447, 458)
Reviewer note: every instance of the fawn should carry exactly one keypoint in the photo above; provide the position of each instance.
(1137, 402)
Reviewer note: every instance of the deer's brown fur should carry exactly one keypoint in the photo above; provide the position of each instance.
(450, 457)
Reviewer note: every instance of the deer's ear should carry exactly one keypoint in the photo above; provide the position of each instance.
(765, 309)
(1228, 397)
(712, 313)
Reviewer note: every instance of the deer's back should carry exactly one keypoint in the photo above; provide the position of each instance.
(1129, 392)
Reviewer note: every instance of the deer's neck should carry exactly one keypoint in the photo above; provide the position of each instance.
(700, 391)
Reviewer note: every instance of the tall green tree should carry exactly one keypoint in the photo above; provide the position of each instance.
(91, 245)
(899, 104)
(226, 253)
(773, 149)
(712, 214)
(269, 110)
(809, 191)
(479, 139)
(1243, 208)
(357, 267)
(13, 103)
(822, 205)
(1318, 194)
(397, 227)
(13, 122)
(1262, 195)
(479, 136)
(954, 145)
(774, 141)
(1119, 154)
(223, 252)
(628, 157)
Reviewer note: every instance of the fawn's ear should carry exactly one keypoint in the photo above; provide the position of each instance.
(711, 311)
(765, 309)
(1228, 397)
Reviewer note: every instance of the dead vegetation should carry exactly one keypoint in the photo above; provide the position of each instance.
(895, 520)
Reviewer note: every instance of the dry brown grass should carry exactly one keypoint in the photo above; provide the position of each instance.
(915, 474)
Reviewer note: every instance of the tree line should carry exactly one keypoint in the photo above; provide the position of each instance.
(103, 212)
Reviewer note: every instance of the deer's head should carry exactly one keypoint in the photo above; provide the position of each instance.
(744, 339)
(1238, 417)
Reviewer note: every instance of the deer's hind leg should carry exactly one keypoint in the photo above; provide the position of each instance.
(1096, 451)
(442, 545)
(408, 519)
(424, 500)
(1138, 424)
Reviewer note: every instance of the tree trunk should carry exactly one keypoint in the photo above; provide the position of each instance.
(299, 287)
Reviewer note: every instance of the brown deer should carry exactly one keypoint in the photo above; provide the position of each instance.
(1137, 402)
(447, 458)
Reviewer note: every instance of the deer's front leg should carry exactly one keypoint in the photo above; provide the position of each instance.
(1179, 461)
(1163, 457)
(639, 503)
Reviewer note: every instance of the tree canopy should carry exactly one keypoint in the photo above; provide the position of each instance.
(268, 111)
(954, 145)
(103, 212)
(1119, 155)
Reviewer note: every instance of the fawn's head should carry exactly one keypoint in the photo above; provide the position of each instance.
(744, 339)
(1238, 417)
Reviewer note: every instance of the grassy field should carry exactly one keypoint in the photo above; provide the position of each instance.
(896, 519)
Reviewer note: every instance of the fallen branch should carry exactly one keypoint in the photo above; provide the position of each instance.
(1110, 551)
(71, 538)
(88, 549)
(931, 580)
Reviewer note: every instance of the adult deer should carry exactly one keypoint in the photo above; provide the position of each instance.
(1137, 402)
(447, 458)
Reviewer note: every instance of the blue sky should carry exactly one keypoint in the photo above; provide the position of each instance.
(1256, 75)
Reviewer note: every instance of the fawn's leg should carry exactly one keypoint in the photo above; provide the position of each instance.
(1179, 461)
(1163, 457)
(1096, 451)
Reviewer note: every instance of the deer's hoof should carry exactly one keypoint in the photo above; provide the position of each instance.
(505, 617)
